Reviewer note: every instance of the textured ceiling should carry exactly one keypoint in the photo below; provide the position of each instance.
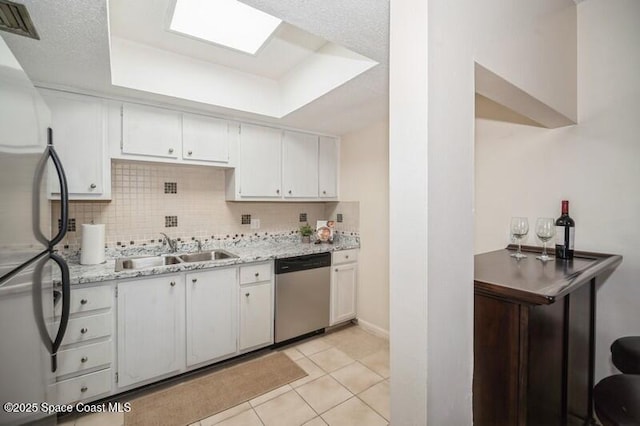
(74, 52)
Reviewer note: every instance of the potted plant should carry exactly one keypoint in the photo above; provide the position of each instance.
(306, 231)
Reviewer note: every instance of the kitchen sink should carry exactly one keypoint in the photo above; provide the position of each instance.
(145, 262)
(207, 255)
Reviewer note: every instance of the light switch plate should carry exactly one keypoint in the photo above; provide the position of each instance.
(255, 223)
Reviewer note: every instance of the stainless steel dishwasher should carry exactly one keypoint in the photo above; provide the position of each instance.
(303, 285)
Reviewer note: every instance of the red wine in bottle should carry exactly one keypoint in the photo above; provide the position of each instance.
(565, 233)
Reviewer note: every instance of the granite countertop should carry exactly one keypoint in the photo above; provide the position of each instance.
(253, 249)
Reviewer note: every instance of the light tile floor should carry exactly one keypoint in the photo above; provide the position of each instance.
(347, 384)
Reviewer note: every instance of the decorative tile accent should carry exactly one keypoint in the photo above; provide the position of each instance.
(171, 187)
(303, 217)
(170, 221)
(339, 217)
(71, 224)
(245, 219)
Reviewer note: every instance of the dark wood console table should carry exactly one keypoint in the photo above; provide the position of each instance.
(534, 337)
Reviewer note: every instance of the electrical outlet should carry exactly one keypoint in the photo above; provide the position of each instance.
(255, 223)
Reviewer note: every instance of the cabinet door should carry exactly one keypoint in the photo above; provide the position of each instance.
(300, 165)
(328, 167)
(150, 328)
(205, 138)
(151, 131)
(212, 300)
(343, 292)
(256, 315)
(260, 161)
(79, 137)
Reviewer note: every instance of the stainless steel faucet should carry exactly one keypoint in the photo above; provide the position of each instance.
(173, 244)
(199, 245)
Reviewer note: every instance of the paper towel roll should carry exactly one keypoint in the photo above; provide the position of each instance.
(92, 251)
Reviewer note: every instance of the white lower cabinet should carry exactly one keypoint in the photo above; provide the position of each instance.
(212, 318)
(151, 315)
(84, 387)
(344, 282)
(256, 315)
(85, 360)
(170, 324)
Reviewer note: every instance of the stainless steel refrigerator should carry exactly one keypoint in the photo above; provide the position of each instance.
(33, 310)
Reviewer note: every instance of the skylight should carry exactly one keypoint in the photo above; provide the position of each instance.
(225, 22)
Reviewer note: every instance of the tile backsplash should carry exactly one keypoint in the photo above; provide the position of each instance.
(186, 202)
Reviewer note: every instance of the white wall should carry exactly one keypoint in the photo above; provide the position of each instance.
(364, 177)
(527, 171)
(434, 45)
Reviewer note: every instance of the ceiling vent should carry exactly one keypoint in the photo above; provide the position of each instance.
(15, 18)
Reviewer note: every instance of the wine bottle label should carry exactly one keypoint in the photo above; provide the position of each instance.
(560, 236)
(572, 233)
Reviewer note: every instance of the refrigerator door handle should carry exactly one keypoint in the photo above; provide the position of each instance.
(50, 152)
(66, 302)
(64, 192)
(52, 345)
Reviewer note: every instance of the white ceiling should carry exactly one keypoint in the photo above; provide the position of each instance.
(74, 52)
(145, 21)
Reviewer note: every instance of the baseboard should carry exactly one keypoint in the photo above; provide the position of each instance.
(372, 328)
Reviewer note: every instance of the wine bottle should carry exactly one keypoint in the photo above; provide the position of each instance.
(565, 233)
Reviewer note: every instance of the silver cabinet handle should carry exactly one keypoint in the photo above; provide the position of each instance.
(277, 191)
(247, 294)
(84, 330)
(336, 269)
(84, 301)
(347, 256)
(84, 389)
(257, 274)
(190, 152)
(84, 359)
(92, 186)
(324, 192)
(173, 283)
(170, 150)
(289, 192)
(195, 280)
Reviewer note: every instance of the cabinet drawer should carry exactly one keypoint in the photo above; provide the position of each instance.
(83, 358)
(84, 387)
(86, 328)
(255, 273)
(345, 256)
(88, 299)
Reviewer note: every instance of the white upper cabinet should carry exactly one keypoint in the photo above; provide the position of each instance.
(79, 137)
(151, 131)
(276, 165)
(260, 162)
(300, 165)
(328, 167)
(206, 138)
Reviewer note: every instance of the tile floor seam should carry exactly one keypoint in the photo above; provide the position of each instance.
(349, 399)
(258, 416)
(305, 401)
(330, 408)
(376, 411)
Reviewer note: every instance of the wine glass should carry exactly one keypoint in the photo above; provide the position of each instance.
(519, 230)
(545, 230)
